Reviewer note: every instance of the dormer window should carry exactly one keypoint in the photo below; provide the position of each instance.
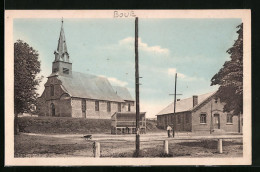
(66, 70)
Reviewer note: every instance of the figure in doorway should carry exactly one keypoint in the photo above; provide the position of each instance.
(169, 128)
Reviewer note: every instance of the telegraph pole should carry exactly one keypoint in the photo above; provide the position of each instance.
(211, 127)
(137, 141)
(175, 94)
(174, 110)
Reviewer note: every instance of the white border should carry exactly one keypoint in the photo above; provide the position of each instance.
(10, 15)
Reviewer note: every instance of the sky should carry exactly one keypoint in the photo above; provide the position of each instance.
(194, 48)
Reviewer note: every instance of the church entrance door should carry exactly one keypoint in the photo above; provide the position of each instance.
(52, 110)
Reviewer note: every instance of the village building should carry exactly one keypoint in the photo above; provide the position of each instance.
(199, 113)
(73, 94)
(125, 123)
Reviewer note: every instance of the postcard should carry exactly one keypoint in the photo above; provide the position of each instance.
(127, 87)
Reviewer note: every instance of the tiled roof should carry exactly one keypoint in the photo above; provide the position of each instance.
(185, 104)
(89, 86)
(123, 93)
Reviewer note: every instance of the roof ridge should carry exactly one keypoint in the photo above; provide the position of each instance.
(182, 100)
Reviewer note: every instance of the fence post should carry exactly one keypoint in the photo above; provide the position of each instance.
(220, 146)
(96, 149)
(166, 147)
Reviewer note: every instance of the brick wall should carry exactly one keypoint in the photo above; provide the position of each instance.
(169, 119)
(217, 108)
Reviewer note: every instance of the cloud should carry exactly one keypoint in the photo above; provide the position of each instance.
(129, 42)
(115, 81)
(172, 71)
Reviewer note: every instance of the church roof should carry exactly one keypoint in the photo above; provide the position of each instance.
(89, 86)
(123, 93)
(185, 104)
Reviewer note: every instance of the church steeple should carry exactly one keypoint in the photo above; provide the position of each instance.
(61, 64)
(62, 53)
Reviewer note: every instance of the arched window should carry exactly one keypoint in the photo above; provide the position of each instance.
(52, 109)
(52, 90)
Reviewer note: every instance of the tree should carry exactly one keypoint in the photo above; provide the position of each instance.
(230, 78)
(26, 79)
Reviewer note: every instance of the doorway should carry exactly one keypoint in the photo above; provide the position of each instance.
(52, 110)
(216, 121)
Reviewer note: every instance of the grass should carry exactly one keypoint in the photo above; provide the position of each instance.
(43, 146)
(46, 145)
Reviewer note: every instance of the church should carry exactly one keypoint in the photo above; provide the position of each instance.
(199, 113)
(73, 94)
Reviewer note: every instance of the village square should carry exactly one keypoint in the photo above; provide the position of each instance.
(91, 114)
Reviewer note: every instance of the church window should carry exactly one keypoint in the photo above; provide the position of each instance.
(108, 106)
(203, 118)
(119, 107)
(84, 107)
(66, 70)
(52, 90)
(55, 70)
(97, 105)
(229, 118)
(129, 107)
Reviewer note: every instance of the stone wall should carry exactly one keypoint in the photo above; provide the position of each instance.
(91, 112)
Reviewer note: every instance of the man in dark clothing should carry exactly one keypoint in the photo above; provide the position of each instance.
(169, 128)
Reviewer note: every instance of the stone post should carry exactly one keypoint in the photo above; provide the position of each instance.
(220, 150)
(96, 149)
(166, 147)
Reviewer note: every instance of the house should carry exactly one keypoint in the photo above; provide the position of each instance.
(199, 113)
(73, 94)
(125, 123)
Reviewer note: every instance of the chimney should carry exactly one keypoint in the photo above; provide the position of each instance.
(195, 100)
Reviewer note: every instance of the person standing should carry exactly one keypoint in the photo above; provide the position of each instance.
(169, 128)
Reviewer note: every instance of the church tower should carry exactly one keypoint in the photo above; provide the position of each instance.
(61, 64)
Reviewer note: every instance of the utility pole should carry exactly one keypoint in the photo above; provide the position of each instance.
(174, 110)
(137, 141)
(211, 127)
(175, 94)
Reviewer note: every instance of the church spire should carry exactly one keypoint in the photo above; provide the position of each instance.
(62, 53)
